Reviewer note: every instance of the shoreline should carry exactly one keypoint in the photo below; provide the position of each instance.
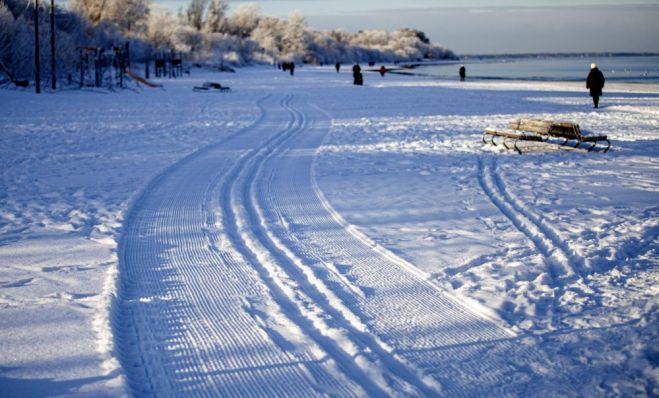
(540, 85)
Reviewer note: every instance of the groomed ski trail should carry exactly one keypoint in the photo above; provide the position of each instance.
(237, 280)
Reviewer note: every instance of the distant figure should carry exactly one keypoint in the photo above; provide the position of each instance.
(358, 79)
(292, 67)
(595, 82)
(337, 66)
(463, 73)
(383, 70)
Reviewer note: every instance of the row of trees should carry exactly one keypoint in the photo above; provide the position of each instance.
(204, 31)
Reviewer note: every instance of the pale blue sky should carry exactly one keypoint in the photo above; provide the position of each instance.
(488, 26)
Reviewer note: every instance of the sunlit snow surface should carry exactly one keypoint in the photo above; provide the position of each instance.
(301, 236)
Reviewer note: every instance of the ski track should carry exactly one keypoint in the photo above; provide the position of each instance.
(237, 278)
(564, 266)
(561, 264)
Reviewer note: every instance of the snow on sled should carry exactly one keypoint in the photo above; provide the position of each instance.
(542, 131)
(211, 87)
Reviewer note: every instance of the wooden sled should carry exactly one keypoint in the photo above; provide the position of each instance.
(211, 87)
(567, 131)
(509, 136)
(544, 130)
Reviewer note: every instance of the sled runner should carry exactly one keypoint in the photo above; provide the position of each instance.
(210, 87)
(509, 136)
(544, 130)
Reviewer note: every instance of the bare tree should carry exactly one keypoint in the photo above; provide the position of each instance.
(216, 19)
(195, 13)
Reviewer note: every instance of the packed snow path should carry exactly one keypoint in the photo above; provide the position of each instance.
(238, 278)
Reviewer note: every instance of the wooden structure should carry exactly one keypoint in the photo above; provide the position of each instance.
(542, 131)
(169, 64)
(102, 68)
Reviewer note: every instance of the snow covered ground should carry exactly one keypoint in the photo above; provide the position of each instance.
(301, 236)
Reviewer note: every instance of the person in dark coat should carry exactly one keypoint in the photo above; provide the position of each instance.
(292, 67)
(383, 70)
(358, 79)
(595, 82)
(463, 73)
(337, 66)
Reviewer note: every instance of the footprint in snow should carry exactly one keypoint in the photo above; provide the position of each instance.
(17, 283)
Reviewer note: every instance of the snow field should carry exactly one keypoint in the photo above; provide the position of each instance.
(304, 237)
(535, 236)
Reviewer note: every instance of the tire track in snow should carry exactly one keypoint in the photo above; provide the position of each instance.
(181, 319)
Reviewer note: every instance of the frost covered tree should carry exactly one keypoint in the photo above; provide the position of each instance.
(194, 14)
(16, 45)
(295, 39)
(245, 19)
(7, 31)
(189, 40)
(17, 39)
(268, 34)
(91, 9)
(162, 28)
(216, 19)
(204, 31)
(130, 16)
(224, 48)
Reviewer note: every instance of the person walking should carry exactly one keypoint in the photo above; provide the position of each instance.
(595, 82)
(358, 79)
(463, 73)
(337, 66)
(383, 70)
(292, 66)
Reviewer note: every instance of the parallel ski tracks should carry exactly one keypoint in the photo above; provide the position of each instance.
(358, 352)
(180, 319)
(563, 262)
(568, 269)
(236, 280)
(415, 337)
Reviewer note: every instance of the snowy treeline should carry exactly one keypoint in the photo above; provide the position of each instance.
(73, 30)
(204, 31)
(209, 33)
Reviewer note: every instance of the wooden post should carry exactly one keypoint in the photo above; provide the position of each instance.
(37, 63)
(53, 76)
